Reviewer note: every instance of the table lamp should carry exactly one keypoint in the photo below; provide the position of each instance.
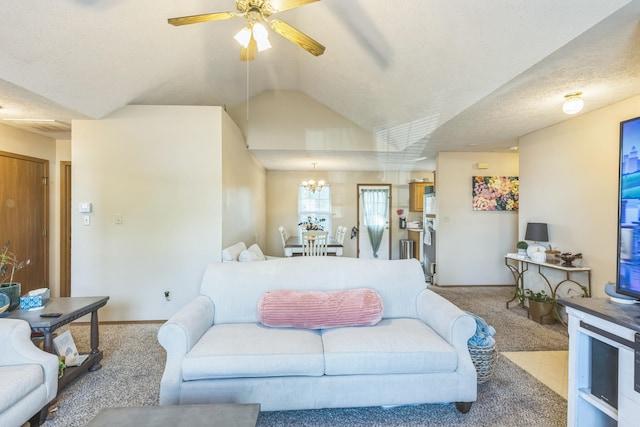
(536, 232)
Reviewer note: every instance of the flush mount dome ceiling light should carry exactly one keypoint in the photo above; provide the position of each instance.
(573, 103)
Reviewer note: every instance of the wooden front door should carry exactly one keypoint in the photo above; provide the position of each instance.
(24, 216)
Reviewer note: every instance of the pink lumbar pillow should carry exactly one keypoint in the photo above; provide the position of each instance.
(320, 309)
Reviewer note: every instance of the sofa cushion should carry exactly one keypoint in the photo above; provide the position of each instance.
(253, 350)
(393, 346)
(320, 309)
(252, 253)
(17, 382)
(231, 253)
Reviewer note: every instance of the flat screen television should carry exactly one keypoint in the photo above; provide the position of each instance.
(628, 266)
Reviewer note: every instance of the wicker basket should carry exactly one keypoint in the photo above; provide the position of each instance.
(484, 359)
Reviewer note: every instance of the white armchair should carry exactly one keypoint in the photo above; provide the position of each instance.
(28, 376)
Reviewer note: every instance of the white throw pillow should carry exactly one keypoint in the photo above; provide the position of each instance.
(233, 252)
(257, 251)
(254, 253)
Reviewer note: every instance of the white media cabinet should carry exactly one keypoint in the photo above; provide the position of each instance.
(613, 324)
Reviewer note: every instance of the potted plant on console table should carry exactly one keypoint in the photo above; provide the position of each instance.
(522, 247)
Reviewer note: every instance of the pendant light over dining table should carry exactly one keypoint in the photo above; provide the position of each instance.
(313, 185)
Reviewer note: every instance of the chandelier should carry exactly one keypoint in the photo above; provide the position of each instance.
(311, 184)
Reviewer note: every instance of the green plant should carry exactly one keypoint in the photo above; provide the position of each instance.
(9, 262)
(541, 296)
(519, 293)
(312, 224)
(522, 245)
(61, 366)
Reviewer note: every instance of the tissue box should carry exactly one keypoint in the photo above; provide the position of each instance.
(34, 299)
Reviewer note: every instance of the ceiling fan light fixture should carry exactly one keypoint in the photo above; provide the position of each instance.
(261, 36)
(254, 37)
(243, 37)
(573, 103)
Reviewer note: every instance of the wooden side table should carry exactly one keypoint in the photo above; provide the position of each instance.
(72, 308)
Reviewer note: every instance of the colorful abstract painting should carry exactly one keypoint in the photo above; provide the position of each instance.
(495, 193)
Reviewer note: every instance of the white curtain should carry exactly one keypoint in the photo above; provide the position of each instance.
(376, 210)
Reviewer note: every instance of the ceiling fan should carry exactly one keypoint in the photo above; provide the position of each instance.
(254, 36)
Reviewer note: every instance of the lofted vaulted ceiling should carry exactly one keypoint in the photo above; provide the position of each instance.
(421, 76)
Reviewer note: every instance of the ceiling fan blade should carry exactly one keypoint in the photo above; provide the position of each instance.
(249, 53)
(194, 19)
(280, 5)
(297, 37)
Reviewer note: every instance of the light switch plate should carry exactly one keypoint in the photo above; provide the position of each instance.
(84, 207)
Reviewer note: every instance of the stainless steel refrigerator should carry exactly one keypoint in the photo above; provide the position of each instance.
(429, 239)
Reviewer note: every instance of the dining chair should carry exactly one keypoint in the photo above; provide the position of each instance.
(314, 243)
(341, 231)
(283, 235)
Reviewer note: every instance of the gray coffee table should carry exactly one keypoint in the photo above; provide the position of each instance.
(214, 415)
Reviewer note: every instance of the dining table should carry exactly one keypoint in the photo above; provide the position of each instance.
(293, 246)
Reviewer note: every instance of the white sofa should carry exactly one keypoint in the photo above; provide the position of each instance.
(219, 352)
(28, 376)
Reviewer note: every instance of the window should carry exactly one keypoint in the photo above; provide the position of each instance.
(315, 205)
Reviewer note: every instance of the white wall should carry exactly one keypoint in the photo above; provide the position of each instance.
(282, 203)
(470, 245)
(19, 141)
(160, 167)
(569, 179)
(244, 190)
(291, 120)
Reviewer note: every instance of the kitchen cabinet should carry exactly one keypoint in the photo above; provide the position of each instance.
(416, 195)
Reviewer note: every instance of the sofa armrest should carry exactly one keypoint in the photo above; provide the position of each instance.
(178, 335)
(448, 320)
(18, 349)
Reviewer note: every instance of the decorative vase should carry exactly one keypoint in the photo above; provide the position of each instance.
(12, 290)
(542, 312)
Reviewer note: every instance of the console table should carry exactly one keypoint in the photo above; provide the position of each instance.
(71, 308)
(518, 265)
(604, 369)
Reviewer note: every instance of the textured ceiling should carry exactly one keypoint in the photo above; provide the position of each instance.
(423, 76)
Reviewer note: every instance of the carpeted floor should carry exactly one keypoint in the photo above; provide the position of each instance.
(134, 361)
